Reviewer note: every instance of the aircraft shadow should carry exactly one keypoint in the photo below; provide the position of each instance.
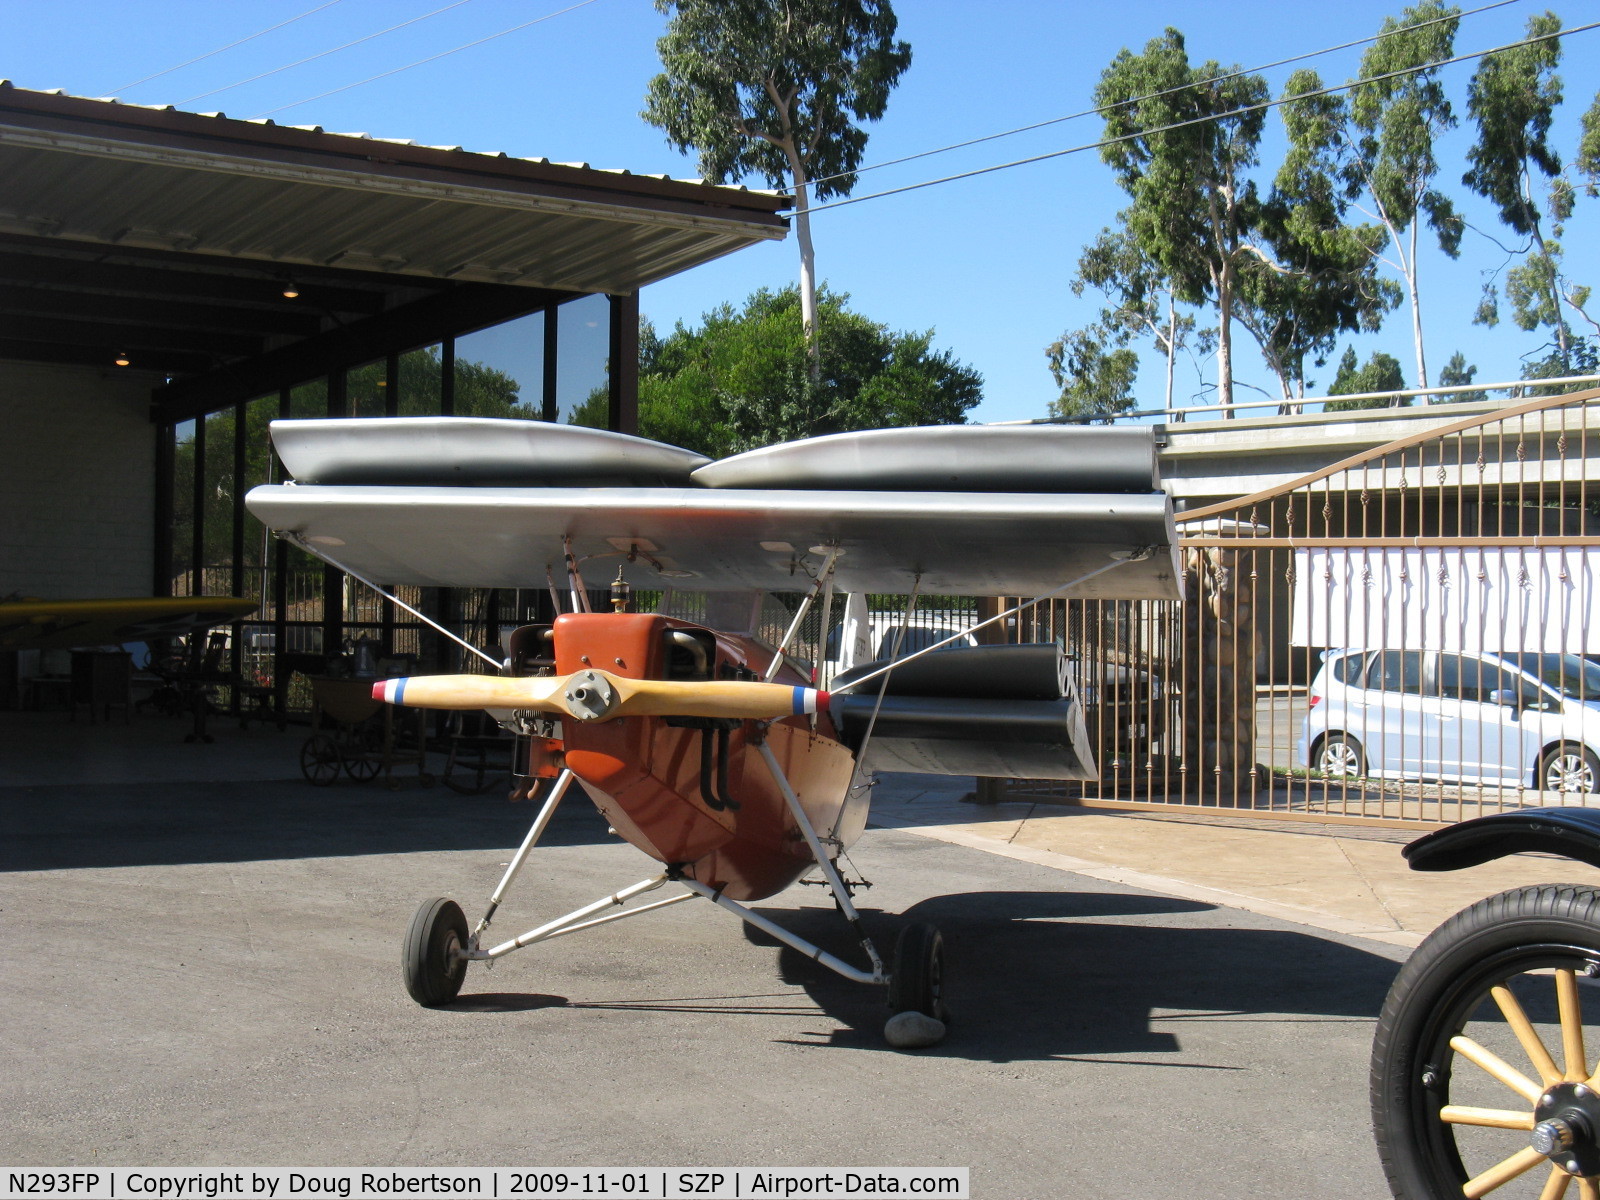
(148, 824)
(1032, 975)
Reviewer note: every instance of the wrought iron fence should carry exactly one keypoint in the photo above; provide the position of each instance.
(1406, 635)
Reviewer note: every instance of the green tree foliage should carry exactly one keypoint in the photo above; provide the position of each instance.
(1322, 278)
(1092, 365)
(1195, 210)
(1379, 149)
(740, 379)
(1457, 373)
(1094, 374)
(776, 89)
(1512, 100)
(1380, 373)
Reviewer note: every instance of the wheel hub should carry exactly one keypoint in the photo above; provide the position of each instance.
(1567, 1128)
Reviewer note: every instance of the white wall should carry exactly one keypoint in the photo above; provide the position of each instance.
(77, 482)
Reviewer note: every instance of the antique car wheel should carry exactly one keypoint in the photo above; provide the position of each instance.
(1569, 768)
(916, 983)
(1341, 756)
(1482, 1073)
(433, 966)
(363, 754)
(319, 759)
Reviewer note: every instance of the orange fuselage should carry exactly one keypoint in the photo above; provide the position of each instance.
(646, 774)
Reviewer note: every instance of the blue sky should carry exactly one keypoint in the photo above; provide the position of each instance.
(985, 262)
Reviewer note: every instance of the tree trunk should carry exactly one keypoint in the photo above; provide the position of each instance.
(1172, 344)
(1409, 270)
(808, 266)
(1220, 676)
(1225, 339)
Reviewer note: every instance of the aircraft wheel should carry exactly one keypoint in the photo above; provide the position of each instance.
(320, 760)
(1479, 1068)
(433, 968)
(916, 982)
(1569, 768)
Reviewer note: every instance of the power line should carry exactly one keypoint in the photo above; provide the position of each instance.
(325, 53)
(213, 53)
(1238, 112)
(1090, 112)
(422, 61)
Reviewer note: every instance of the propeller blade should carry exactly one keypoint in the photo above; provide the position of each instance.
(599, 695)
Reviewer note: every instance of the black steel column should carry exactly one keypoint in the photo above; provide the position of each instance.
(236, 549)
(552, 359)
(197, 531)
(166, 485)
(280, 589)
(624, 363)
(332, 577)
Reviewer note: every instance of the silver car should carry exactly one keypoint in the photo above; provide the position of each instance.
(1513, 719)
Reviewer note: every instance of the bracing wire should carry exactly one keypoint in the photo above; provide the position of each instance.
(424, 61)
(1091, 112)
(1238, 112)
(220, 49)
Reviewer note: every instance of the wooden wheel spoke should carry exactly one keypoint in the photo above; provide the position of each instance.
(1556, 1186)
(1532, 1044)
(1488, 1118)
(1571, 1008)
(1504, 1171)
(1498, 1067)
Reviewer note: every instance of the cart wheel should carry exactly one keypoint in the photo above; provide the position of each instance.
(459, 781)
(433, 968)
(1479, 1068)
(319, 759)
(363, 754)
(917, 982)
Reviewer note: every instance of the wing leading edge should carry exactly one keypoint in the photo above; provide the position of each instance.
(960, 543)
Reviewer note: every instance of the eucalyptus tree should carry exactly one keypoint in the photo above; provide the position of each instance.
(1382, 144)
(1095, 370)
(1141, 301)
(1322, 277)
(1182, 140)
(778, 89)
(1380, 373)
(1512, 100)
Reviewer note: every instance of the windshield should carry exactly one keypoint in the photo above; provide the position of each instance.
(1574, 677)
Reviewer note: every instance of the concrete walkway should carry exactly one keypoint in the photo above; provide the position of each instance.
(1343, 878)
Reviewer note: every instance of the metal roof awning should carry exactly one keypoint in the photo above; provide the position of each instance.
(171, 235)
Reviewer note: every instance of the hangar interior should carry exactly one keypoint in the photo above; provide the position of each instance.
(170, 282)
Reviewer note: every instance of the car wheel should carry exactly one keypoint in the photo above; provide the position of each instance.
(1340, 755)
(1569, 768)
(1479, 1067)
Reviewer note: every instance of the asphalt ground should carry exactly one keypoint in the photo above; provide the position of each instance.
(202, 973)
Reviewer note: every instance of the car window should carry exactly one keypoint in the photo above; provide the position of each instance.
(1466, 677)
(1396, 671)
(1347, 668)
(1567, 673)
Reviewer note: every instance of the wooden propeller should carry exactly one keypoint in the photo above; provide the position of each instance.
(595, 695)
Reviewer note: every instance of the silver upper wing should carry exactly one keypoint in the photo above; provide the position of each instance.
(972, 528)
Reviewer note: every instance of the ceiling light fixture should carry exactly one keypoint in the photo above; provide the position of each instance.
(122, 359)
(291, 290)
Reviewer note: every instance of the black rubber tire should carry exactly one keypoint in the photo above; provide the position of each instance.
(1582, 774)
(1444, 986)
(1355, 756)
(320, 760)
(433, 972)
(916, 980)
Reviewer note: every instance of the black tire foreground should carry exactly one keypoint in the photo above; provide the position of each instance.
(916, 979)
(433, 972)
(1482, 1028)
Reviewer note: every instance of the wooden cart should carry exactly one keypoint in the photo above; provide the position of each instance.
(353, 733)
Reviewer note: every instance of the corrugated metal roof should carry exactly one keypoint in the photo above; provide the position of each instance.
(100, 171)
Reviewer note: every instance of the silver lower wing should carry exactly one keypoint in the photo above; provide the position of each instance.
(959, 543)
